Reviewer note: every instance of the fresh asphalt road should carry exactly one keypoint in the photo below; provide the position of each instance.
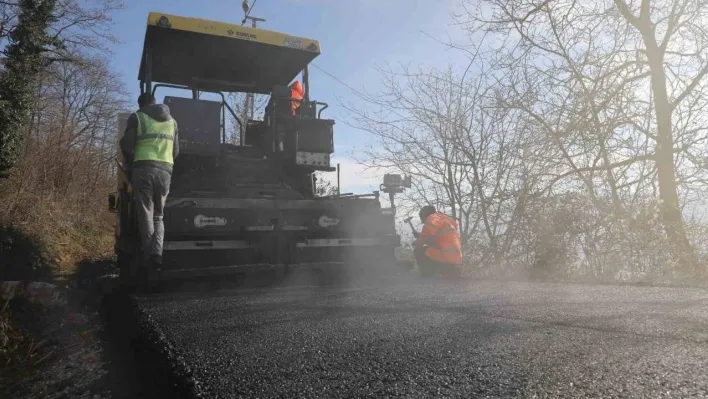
(416, 338)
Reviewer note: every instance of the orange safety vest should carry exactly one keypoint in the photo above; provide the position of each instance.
(296, 93)
(440, 234)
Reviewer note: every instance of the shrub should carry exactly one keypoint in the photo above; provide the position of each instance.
(23, 256)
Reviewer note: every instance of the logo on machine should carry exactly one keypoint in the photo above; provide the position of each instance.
(164, 22)
(328, 221)
(201, 221)
(244, 35)
(293, 43)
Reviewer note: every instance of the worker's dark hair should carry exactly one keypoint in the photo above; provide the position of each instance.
(426, 211)
(146, 99)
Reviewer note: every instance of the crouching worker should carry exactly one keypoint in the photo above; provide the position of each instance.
(437, 247)
(150, 146)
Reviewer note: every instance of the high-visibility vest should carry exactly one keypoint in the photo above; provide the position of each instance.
(155, 139)
(296, 93)
(441, 236)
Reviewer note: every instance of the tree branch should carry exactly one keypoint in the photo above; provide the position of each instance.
(696, 81)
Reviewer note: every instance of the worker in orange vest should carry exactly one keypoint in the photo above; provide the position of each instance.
(437, 247)
(296, 95)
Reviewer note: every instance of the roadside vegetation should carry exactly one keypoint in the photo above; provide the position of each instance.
(58, 104)
(570, 142)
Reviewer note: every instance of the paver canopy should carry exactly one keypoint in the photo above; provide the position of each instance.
(217, 56)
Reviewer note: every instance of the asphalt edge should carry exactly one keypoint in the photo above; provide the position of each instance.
(161, 367)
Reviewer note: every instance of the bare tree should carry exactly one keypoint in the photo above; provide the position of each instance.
(463, 155)
(237, 101)
(37, 34)
(619, 73)
(77, 25)
(324, 187)
(68, 158)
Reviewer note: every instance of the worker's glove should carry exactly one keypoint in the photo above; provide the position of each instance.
(416, 234)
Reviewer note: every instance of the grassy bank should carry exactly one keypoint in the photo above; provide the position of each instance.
(45, 352)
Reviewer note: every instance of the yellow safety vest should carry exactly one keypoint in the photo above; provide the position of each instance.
(155, 139)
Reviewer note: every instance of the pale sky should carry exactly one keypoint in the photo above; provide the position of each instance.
(355, 36)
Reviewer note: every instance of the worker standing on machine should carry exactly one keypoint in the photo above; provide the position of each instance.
(296, 95)
(437, 247)
(150, 145)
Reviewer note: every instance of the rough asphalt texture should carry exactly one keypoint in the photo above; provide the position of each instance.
(415, 338)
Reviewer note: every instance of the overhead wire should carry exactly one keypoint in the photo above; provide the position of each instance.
(355, 91)
(249, 12)
(340, 81)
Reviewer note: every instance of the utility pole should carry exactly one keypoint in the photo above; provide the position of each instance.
(250, 100)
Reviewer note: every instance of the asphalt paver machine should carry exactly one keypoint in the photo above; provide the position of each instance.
(250, 205)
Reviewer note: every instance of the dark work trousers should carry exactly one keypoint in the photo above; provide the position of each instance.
(151, 186)
(430, 267)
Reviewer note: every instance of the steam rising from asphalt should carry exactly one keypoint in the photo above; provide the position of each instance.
(360, 269)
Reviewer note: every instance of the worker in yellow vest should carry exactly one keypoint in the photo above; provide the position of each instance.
(150, 145)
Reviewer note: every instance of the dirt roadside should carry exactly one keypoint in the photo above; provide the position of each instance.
(66, 351)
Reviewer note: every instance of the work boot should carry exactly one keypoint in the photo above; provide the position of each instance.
(156, 261)
(145, 265)
(155, 265)
(451, 272)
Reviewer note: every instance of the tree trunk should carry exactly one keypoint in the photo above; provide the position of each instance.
(681, 249)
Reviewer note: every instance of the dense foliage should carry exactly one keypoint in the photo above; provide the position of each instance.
(25, 59)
